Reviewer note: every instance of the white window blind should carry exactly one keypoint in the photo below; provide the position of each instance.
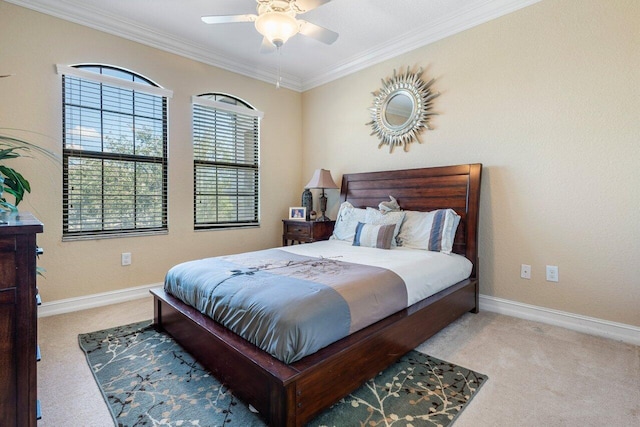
(226, 134)
(114, 155)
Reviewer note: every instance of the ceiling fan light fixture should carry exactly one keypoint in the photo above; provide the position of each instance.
(277, 27)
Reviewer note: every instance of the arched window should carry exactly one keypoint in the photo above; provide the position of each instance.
(226, 162)
(114, 152)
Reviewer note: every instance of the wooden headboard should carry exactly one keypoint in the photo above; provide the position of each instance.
(425, 189)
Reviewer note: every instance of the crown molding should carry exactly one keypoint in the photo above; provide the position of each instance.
(117, 25)
(418, 38)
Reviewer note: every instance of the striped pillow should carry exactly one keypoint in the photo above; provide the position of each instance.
(433, 231)
(374, 216)
(443, 230)
(374, 236)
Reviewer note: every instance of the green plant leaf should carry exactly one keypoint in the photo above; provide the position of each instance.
(9, 153)
(15, 183)
(18, 143)
(11, 181)
(40, 271)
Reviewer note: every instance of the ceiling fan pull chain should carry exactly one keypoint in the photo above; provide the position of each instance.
(279, 77)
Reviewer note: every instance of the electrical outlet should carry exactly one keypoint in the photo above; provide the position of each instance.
(126, 258)
(525, 271)
(552, 273)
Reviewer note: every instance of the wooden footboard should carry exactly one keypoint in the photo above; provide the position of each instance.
(291, 395)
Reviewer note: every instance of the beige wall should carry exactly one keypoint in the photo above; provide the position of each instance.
(547, 98)
(30, 45)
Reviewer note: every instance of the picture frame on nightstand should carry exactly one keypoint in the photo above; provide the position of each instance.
(298, 213)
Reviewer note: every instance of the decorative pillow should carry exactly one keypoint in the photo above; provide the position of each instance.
(433, 231)
(376, 217)
(373, 236)
(346, 222)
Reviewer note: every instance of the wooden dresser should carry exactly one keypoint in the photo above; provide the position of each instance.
(18, 319)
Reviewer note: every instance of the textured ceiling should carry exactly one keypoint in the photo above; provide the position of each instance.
(370, 31)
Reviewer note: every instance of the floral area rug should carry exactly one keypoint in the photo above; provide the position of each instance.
(147, 379)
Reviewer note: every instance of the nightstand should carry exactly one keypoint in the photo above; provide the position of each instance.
(305, 231)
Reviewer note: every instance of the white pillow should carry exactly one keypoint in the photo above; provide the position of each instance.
(376, 217)
(347, 221)
(433, 231)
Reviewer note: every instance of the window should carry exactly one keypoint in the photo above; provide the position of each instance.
(114, 153)
(226, 162)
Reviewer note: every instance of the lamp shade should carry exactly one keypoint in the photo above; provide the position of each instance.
(277, 27)
(321, 179)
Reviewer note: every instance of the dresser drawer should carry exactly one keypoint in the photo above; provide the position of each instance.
(301, 229)
(305, 231)
(7, 262)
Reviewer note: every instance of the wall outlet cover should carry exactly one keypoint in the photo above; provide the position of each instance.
(552, 273)
(126, 258)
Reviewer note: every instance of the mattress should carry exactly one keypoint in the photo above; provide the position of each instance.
(423, 272)
(292, 301)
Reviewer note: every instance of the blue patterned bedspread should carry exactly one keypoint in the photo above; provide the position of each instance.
(289, 305)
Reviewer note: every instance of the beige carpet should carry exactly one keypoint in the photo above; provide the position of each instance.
(539, 375)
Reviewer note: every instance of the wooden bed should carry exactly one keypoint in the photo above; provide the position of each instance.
(291, 395)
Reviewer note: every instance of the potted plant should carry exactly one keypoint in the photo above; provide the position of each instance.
(11, 181)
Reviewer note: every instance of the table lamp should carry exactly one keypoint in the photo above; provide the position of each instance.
(322, 179)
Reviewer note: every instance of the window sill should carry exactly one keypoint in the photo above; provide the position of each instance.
(74, 238)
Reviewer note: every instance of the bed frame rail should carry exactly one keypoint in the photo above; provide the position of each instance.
(292, 395)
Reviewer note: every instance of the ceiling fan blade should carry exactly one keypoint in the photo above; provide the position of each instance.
(228, 19)
(317, 32)
(267, 46)
(307, 5)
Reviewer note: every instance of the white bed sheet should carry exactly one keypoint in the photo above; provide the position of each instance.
(424, 272)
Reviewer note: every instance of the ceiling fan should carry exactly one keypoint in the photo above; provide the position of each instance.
(276, 21)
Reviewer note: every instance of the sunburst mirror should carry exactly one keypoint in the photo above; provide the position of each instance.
(401, 109)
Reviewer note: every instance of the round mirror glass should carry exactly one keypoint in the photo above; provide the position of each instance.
(398, 111)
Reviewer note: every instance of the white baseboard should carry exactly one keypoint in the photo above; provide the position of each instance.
(575, 322)
(96, 300)
(589, 325)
